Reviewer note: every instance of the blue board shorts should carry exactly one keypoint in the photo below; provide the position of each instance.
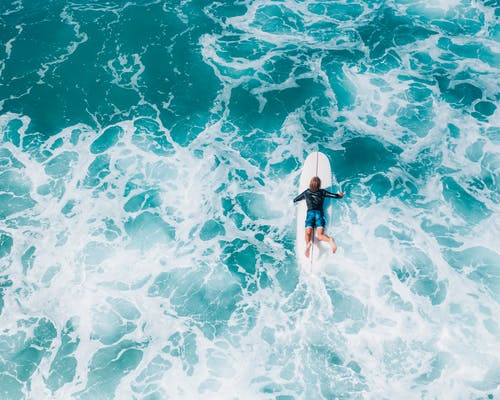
(315, 218)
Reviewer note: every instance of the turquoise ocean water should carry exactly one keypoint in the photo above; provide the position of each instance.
(150, 152)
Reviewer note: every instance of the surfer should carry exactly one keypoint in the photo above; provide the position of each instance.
(314, 197)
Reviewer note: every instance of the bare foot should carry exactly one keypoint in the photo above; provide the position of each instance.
(333, 245)
(308, 249)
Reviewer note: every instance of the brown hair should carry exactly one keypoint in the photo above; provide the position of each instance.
(315, 184)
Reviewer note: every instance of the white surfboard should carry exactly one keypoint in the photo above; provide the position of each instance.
(316, 164)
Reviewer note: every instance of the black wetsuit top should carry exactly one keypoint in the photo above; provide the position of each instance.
(314, 200)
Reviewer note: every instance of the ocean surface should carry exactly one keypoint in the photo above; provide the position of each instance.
(150, 152)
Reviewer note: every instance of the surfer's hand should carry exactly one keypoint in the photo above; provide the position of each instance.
(340, 194)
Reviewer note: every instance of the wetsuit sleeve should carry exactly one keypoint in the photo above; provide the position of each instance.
(301, 196)
(332, 195)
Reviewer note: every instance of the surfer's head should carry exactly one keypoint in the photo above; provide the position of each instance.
(315, 184)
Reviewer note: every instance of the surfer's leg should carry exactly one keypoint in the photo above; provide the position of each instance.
(308, 238)
(321, 235)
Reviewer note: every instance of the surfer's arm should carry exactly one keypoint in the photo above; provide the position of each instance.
(338, 195)
(301, 196)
